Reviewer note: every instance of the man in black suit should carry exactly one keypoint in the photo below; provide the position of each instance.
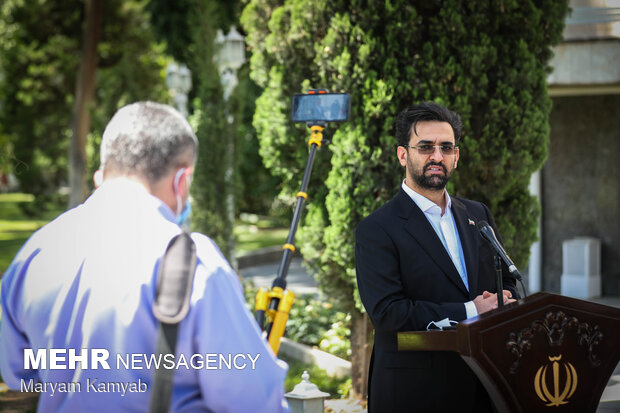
(420, 259)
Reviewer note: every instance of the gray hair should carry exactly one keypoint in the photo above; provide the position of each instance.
(147, 139)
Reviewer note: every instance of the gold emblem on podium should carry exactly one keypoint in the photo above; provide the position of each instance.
(568, 378)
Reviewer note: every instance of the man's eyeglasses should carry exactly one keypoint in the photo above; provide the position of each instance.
(446, 149)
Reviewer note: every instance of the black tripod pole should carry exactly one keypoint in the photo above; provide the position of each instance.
(499, 280)
(277, 313)
(289, 248)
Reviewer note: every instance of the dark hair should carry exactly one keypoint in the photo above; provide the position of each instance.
(425, 111)
(147, 139)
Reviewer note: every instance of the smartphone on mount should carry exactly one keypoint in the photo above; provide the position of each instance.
(321, 107)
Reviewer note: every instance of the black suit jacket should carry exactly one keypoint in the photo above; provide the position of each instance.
(406, 279)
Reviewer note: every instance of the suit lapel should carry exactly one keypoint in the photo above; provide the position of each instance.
(468, 235)
(417, 226)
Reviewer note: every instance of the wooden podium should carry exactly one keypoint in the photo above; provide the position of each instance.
(545, 353)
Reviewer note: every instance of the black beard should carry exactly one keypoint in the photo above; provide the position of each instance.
(433, 182)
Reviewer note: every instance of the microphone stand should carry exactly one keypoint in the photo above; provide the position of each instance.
(498, 280)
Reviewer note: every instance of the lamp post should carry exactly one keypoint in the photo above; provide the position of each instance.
(229, 58)
(179, 81)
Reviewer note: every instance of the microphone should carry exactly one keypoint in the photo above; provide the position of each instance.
(487, 233)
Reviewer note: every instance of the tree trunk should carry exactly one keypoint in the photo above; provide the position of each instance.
(361, 349)
(84, 96)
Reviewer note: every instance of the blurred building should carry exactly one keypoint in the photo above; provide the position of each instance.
(579, 186)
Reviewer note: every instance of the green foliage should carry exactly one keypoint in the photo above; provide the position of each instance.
(485, 60)
(256, 188)
(170, 24)
(311, 319)
(254, 232)
(211, 124)
(313, 322)
(336, 340)
(131, 67)
(188, 28)
(39, 56)
(16, 226)
(6, 153)
(332, 385)
(171, 19)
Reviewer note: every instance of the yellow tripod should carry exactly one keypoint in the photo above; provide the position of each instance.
(275, 305)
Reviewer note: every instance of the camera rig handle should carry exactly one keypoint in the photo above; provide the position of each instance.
(274, 306)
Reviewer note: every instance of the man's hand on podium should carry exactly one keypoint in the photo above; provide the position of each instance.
(488, 301)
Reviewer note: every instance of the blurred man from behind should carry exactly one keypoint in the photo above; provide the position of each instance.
(87, 281)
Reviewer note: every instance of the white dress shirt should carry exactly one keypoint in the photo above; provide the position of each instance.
(446, 231)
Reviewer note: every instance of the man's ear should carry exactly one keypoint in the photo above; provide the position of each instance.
(401, 153)
(182, 181)
(98, 178)
(186, 179)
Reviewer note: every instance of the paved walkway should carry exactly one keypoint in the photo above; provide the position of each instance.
(298, 280)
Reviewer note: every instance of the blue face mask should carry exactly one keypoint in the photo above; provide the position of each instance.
(182, 215)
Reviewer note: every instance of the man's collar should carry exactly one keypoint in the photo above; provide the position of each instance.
(423, 202)
(128, 190)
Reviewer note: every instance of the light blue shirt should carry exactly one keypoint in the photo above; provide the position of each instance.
(87, 281)
(446, 231)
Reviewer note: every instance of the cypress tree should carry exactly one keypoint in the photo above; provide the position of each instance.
(488, 61)
(188, 28)
(210, 123)
(39, 58)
